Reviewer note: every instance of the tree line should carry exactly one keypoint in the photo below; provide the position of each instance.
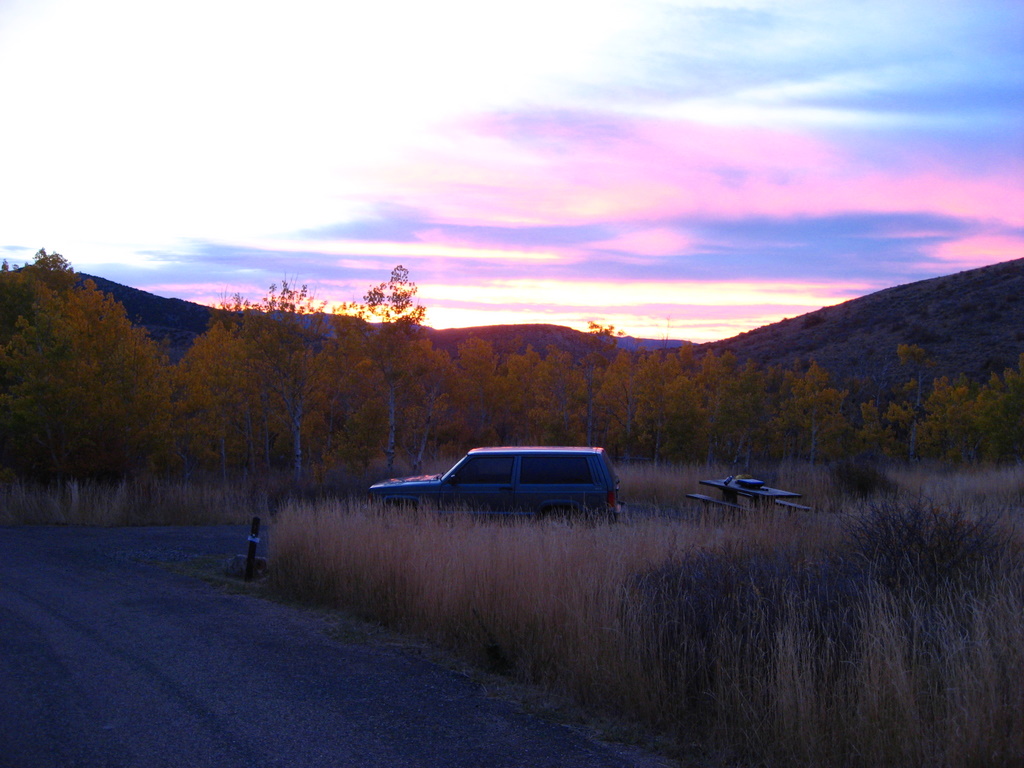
(283, 384)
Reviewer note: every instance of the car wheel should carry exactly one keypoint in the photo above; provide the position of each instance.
(566, 514)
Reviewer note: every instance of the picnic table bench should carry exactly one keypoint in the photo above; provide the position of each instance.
(710, 500)
(732, 489)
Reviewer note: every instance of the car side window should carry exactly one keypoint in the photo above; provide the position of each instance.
(486, 470)
(555, 470)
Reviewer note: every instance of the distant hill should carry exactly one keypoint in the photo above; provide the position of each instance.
(971, 322)
(175, 321)
(512, 339)
(178, 322)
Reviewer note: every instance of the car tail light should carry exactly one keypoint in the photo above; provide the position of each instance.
(611, 499)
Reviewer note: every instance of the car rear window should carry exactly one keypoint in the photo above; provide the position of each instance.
(555, 470)
(486, 469)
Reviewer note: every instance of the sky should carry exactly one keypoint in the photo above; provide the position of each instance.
(685, 169)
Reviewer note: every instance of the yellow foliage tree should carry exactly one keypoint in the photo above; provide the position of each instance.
(619, 399)
(477, 392)
(87, 394)
(810, 414)
(670, 419)
(875, 436)
(284, 334)
(1001, 414)
(734, 399)
(215, 407)
(949, 430)
(389, 324)
(519, 401)
(908, 412)
(559, 388)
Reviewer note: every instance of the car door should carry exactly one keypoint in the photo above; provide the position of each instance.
(565, 482)
(481, 483)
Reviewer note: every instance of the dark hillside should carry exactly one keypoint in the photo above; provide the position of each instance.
(175, 321)
(513, 339)
(971, 322)
(508, 339)
(179, 322)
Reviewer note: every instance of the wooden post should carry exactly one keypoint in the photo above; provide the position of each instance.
(254, 539)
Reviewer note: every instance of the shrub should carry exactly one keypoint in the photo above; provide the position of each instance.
(862, 480)
(919, 547)
(710, 605)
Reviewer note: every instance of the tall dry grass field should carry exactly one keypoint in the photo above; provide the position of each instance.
(140, 502)
(890, 634)
(509, 595)
(885, 628)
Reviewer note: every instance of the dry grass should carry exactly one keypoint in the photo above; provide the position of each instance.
(886, 628)
(128, 503)
(841, 487)
(772, 639)
(994, 488)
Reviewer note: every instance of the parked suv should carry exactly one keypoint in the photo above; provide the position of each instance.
(536, 481)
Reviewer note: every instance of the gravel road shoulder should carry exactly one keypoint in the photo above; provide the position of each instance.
(110, 660)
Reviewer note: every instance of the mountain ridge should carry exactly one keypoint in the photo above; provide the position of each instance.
(970, 322)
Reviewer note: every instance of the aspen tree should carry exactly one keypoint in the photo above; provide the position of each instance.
(86, 394)
(284, 334)
(391, 323)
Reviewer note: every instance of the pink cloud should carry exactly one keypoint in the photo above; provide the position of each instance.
(695, 310)
(658, 241)
(657, 169)
(978, 251)
(209, 294)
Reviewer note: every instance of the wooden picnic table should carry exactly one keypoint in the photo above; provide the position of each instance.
(733, 489)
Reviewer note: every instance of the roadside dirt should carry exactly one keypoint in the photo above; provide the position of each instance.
(110, 660)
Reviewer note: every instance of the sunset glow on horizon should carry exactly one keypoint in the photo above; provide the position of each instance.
(685, 169)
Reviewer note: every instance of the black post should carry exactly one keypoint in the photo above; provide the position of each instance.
(254, 539)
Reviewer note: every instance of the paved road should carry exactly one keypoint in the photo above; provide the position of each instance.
(108, 661)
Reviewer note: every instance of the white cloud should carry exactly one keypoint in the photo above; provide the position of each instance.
(134, 127)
